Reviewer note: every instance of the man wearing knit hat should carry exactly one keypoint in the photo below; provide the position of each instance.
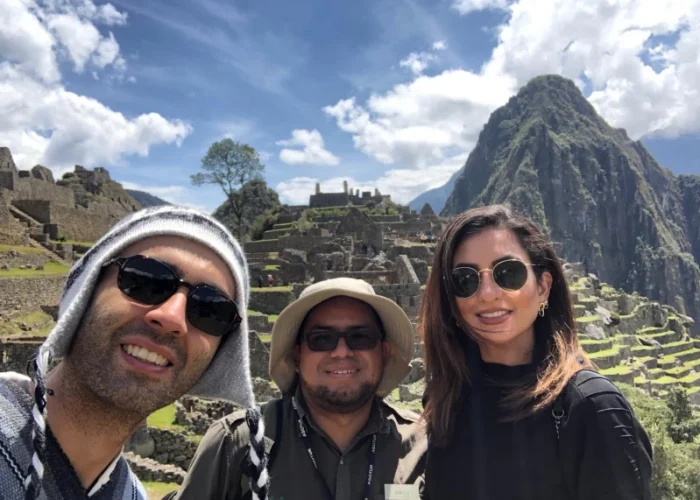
(335, 353)
(154, 310)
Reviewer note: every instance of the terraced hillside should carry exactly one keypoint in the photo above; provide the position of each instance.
(637, 341)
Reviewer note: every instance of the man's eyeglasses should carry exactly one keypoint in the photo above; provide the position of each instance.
(357, 339)
(152, 282)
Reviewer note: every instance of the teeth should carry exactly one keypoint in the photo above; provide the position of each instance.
(145, 354)
(493, 314)
(343, 372)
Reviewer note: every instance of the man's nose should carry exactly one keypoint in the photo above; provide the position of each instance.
(169, 317)
(341, 350)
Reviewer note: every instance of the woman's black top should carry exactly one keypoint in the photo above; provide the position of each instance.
(602, 452)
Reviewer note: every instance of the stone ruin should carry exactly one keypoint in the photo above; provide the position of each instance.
(79, 207)
(630, 338)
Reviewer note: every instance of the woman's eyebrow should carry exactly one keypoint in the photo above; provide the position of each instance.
(493, 263)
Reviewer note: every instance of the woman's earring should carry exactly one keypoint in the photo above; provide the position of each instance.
(544, 305)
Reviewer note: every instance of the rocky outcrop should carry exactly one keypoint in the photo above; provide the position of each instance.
(96, 186)
(6, 161)
(600, 196)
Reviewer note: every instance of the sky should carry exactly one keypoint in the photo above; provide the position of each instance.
(387, 94)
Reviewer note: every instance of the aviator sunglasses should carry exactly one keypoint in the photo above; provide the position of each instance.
(151, 282)
(510, 275)
(360, 339)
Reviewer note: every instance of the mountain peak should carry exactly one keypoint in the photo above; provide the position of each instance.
(602, 197)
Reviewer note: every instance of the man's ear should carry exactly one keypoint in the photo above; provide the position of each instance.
(387, 351)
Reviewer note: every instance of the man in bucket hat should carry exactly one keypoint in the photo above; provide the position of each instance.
(154, 310)
(335, 353)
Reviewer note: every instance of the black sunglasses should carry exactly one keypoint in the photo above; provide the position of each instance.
(357, 339)
(152, 282)
(510, 275)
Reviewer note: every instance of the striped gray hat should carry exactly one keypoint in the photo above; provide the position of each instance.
(228, 374)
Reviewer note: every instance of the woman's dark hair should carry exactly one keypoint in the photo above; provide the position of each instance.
(443, 330)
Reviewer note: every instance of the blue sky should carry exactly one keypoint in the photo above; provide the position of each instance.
(385, 93)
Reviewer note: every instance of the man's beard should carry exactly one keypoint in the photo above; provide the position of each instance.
(342, 401)
(92, 362)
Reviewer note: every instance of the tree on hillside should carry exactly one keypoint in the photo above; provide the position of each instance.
(260, 200)
(230, 165)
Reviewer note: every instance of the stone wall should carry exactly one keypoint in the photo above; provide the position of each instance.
(172, 448)
(423, 252)
(259, 356)
(13, 258)
(150, 470)
(329, 200)
(37, 209)
(414, 226)
(25, 294)
(386, 218)
(29, 188)
(11, 231)
(15, 354)
(303, 243)
(261, 246)
(269, 302)
(84, 224)
(404, 271)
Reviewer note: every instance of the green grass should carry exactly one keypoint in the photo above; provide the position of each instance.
(272, 317)
(51, 268)
(271, 267)
(593, 341)
(159, 490)
(617, 370)
(265, 337)
(587, 319)
(74, 242)
(254, 313)
(272, 289)
(33, 319)
(164, 418)
(21, 249)
(604, 354)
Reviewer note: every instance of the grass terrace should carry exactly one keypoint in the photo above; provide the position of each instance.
(51, 268)
(21, 249)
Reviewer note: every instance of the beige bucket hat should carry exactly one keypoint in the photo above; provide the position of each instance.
(398, 328)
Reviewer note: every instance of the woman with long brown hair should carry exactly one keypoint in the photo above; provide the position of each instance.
(513, 407)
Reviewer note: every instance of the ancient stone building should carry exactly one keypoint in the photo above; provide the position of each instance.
(80, 207)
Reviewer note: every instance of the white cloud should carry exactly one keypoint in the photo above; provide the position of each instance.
(402, 184)
(26, 42)
(313, 152)
(45, 123)
(634, 80)
(177, 195)
(468, 6)
(419, 123)
(417, 61)
(110, 16)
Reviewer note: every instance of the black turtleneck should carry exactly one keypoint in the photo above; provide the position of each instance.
(602, 453)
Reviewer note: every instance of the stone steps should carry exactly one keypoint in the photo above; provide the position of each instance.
(663, 337)
(27, 220)
(592, 346)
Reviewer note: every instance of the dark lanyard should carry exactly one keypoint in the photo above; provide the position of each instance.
(371, 456)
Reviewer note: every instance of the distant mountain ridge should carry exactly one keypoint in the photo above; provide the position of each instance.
(436, 197)
(601, 196)
(146, 199)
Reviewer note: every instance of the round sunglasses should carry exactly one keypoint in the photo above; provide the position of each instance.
(151, 282)
(510, 275)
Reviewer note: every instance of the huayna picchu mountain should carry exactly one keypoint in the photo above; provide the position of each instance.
(600, 196)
